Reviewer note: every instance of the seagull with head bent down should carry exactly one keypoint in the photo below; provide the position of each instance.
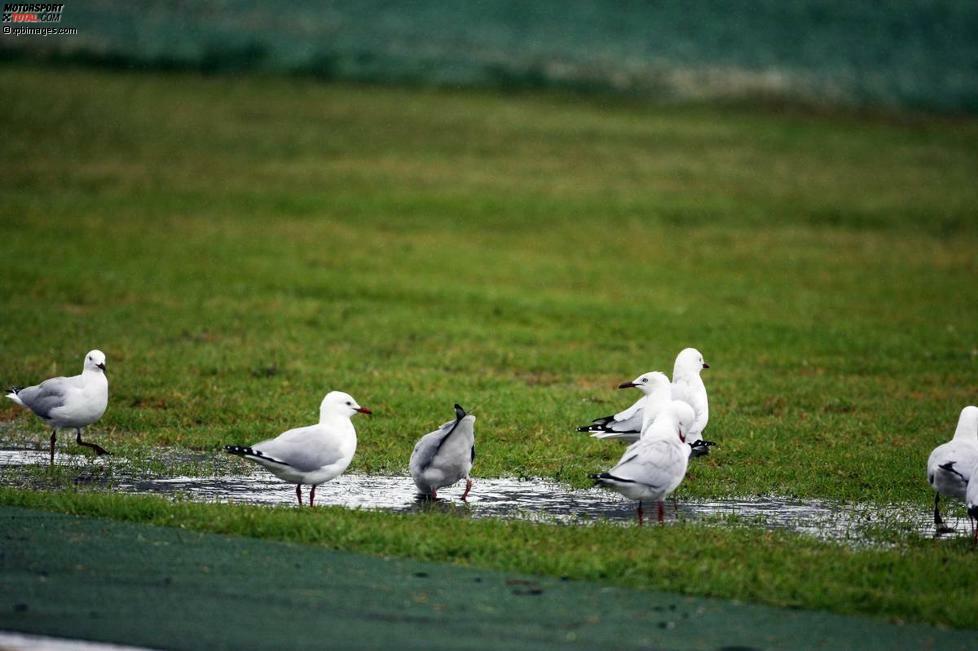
(950, 465)
(445, 456)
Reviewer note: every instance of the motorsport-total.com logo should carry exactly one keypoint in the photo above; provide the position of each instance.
(28, 12)
(34, 19)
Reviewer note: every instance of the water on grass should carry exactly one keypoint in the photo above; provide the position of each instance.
(528, 499)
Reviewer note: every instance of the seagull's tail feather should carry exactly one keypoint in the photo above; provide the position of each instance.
(246, 452)
(700, 448)
(608, 478)
(12, 394)
(598, 425)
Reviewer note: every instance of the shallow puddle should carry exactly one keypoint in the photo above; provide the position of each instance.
(528, 499)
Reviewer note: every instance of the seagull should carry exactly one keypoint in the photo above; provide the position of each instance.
(950, 465)
(69, 402)
(655, 465)
(310, 455)
(629, 424)
(445, 456)
(687, 385)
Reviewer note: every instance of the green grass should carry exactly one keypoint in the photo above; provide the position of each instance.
(238, 246)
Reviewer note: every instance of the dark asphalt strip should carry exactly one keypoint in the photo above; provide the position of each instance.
(98, 579)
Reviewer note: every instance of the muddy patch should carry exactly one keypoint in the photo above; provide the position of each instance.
(509, 498)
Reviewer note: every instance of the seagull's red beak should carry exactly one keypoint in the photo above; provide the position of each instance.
(626, 385)
(682, 437)
(364, 410)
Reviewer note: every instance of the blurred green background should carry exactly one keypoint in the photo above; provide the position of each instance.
(908, 55)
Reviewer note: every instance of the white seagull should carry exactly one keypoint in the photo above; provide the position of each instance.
(951, 464)
(629, 424)
(310, 455)
(654, 466)
(445, 456)
(69, 402)
(687, 385)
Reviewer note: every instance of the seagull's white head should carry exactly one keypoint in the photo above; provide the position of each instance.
(684, 416)
(647, 383)
(967, 423)
(95, 361)
(689, 362)
(337, 403)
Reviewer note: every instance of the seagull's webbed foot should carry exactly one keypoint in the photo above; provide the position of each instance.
(99, 450)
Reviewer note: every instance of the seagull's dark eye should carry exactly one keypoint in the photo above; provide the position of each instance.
(645, 379)
(349, 403)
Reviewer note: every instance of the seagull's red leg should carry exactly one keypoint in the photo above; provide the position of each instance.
(54, 437)
(312, 494)
(468, 487)
(298, 493)
(640, 513)
(662, 515)
(434, 494)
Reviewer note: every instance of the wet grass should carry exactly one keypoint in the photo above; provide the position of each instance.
(238, 246)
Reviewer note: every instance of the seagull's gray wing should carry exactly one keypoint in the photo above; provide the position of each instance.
(302, 448)
(46, 396)
(426, 448)
(651, 463)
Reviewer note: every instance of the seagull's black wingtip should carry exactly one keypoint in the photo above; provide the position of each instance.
(241, 450)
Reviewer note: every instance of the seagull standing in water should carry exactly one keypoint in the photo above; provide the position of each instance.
(310, 455)
(653, 467)
(445, 456)
(950, 465)
(69, 402)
